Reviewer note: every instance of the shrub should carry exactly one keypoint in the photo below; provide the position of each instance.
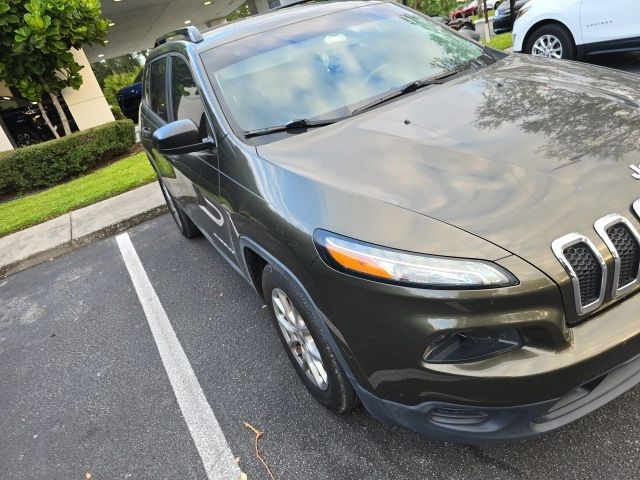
(49, 163)
(117, 113)
(114, 82)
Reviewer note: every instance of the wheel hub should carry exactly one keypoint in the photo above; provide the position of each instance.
(548, 46)
(299, 339)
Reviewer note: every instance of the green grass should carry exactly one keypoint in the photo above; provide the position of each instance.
(500, 42)
(478, 17)
(119, 177)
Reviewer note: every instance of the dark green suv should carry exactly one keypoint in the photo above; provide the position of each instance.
(442, 232)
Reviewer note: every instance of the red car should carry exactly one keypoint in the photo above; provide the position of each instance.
(467, 11)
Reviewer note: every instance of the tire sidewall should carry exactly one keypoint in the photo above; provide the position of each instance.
(339, 394)
(183, 222)
(561, 33)
(28, 131)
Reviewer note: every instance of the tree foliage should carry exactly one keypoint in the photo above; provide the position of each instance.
(123, 64)
(36, 38)
(113, 83)
(434, 7)
(242, 12)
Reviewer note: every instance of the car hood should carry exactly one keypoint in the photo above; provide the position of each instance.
(519, 153)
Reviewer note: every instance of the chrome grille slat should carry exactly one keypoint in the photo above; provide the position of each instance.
(586, 268)
(627, 248)
(589, 274)
(623, 241)
(582, 260)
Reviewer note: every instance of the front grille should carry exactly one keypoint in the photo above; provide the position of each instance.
(629, 251)
(587, 269)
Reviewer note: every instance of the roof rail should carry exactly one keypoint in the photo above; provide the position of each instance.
(190, 34)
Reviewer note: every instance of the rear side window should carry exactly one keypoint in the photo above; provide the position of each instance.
(157, 94)
(186, 101)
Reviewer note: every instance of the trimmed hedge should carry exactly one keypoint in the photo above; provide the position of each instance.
(49, 163)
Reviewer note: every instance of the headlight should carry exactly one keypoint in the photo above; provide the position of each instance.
(523, 11)
(405, 268)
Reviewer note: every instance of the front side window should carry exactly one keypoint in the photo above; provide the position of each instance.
(185, 96)
(157, 93)
(328, 66)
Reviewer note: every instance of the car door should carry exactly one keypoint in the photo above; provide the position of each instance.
(201, 182)
(609, 21)
(154, 113)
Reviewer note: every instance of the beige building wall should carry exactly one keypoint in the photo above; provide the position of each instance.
(87, 105)
(5, 143)
(4, 91)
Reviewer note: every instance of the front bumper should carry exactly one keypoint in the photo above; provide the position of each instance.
(502, 24)
(561, 374)
(479, 425)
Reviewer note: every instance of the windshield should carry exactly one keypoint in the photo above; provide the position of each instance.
(330, 65)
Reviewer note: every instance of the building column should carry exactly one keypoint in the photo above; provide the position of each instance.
(5, 141)
(253, 8)
(257, 6)
(216, 22)
(87, 105)
(5, 91)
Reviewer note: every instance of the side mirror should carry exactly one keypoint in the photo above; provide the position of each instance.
(181, 136)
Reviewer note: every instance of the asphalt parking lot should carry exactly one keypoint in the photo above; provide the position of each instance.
(83, 388)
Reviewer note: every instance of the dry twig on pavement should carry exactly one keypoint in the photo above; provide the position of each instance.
(258, 435)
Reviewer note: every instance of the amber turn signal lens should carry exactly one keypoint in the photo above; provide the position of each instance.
(407, 268)
(356, 261)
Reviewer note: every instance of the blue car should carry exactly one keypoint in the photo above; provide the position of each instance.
(129, 98)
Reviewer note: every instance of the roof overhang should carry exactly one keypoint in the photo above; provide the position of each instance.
(137, 23)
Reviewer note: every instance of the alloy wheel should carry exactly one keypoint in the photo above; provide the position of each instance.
(25, 139)
(299, 339)
(548, 46)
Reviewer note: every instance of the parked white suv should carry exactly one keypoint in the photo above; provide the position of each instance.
(575, 28)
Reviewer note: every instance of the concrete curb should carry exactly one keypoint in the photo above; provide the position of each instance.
(76, 229)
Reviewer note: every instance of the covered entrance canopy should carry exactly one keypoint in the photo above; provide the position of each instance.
(137, 23)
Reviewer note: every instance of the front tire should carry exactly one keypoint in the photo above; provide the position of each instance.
(300, 331)
(551, 41)
(183, 222)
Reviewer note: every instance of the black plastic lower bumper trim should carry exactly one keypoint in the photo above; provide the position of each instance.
(478, 425)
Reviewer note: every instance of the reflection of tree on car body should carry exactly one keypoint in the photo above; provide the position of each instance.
(611, 134)
(473, 7)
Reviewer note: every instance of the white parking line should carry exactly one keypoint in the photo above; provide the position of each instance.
(204, 428)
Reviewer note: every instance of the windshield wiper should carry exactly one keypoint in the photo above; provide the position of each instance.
(304, 123)
(408, 88)
(293, 125)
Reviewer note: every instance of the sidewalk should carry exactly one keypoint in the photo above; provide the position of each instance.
(75, 229)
